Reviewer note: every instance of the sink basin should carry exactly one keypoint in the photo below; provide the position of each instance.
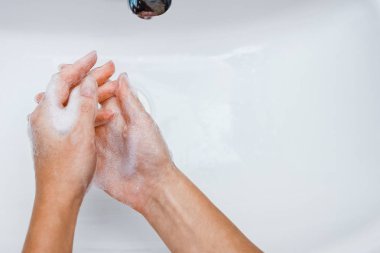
(280, 98)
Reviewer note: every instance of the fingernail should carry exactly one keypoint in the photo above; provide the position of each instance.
(124, 77)
(88, 87)
(89, 55)
(111, 65)
(107, 63)
(92, 52)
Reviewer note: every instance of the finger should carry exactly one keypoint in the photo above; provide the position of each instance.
(39, 97)
(73, 74)
(103, 73)
(130, 104)
(61, 83)
(84, 99)
(89, 98)
(106, 91)
(103, 116)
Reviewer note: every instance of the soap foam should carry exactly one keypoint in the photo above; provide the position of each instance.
(62, 118)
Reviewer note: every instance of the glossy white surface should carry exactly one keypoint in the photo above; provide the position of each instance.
(271, 108)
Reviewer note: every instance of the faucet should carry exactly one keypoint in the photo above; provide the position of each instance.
(147, 9)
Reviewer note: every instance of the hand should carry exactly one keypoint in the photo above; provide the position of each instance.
(132, 155)
(62, 129)
(134, 166)
(62, 133)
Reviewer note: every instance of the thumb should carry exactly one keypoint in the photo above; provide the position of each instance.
(88, 99)
(130, 104)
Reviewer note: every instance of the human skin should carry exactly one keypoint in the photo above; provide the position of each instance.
(64, 155)
(134, 166)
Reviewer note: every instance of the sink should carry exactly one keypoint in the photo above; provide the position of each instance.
(280, 98)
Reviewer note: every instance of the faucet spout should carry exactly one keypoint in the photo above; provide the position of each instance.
(147, 9)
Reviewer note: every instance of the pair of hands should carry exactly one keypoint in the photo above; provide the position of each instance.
(75, 142)
(120, 148)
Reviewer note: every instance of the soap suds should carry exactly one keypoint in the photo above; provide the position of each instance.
(62, 118)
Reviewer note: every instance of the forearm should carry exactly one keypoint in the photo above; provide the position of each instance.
(188, 222)
(52, 225)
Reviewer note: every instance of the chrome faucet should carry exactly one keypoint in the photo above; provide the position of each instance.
(147, 9)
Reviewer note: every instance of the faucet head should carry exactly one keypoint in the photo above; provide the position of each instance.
(147, 9)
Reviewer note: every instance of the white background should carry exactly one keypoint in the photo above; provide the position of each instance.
(270, 107)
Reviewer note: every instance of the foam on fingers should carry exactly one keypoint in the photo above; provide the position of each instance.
(63, 118)
(62, 82)
(88, 87)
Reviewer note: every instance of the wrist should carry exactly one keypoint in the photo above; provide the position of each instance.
(55, 219)
(58, 203)
(58, 197)
(54, 188)
(159, 191)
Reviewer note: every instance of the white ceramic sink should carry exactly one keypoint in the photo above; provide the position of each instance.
(271, 107)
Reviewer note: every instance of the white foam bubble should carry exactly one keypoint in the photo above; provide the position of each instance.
(62, 118)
